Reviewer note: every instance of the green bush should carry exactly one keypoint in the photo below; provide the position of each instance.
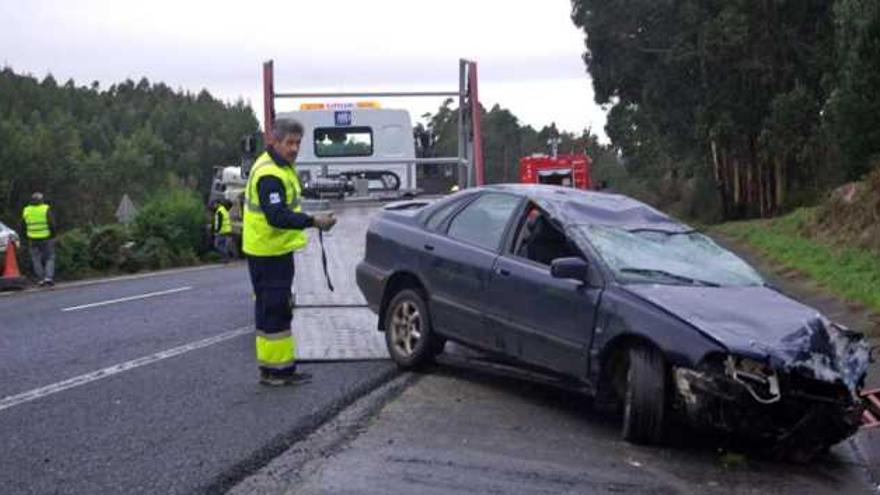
(154, 253)
(129, 260)
(106, 245)
(176, 218)
(212, 257)
(72, 255)
(187, 257)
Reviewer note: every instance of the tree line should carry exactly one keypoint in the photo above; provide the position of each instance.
(750, 106)
(84, 146)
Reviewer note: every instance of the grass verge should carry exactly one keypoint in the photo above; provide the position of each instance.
(848, 272)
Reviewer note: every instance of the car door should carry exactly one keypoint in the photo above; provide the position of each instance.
(537, 318)
(460, 263)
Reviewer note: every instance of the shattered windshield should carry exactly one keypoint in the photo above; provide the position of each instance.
(677, 258)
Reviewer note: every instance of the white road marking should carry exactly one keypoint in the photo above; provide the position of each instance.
(121, 278)
(37, 393)
(130, 298)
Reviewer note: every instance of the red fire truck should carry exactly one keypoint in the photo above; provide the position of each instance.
(572, 170)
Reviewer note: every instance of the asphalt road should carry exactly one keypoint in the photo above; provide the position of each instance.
(149, 385)
(470, 427)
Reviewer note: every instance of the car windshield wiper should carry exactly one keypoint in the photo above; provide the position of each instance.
(654, 272)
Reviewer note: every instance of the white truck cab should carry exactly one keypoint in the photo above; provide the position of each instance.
(352, 141)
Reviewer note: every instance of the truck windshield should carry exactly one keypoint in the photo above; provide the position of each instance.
(343, 141)
(687, 258)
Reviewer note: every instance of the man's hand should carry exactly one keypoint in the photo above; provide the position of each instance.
(324, 222)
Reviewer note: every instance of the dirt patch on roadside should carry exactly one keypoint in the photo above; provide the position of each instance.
(851, 214)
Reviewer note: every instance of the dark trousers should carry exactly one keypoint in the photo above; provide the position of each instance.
(221, 244)
(43, 258)
(272, 278)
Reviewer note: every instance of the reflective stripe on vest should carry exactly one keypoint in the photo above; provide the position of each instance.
(275, 350)
(260, 238)
(36, 218)
(225, 223)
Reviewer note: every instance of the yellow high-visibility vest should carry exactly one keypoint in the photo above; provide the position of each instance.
(258, 237)
(36, 218)
(225, 222)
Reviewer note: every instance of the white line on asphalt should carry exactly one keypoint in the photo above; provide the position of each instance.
(130, 298)
(37, 393)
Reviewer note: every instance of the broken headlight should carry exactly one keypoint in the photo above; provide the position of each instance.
(758, 378)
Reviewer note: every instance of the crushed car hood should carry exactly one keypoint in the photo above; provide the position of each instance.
(759, 321)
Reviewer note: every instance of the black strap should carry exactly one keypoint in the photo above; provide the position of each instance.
(324, 260)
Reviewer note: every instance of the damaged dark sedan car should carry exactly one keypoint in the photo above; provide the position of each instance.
(636, 307)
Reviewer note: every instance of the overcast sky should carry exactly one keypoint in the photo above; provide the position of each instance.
(529, 53)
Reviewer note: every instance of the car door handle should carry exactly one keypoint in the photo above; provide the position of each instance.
(504, 271)
(429, 247)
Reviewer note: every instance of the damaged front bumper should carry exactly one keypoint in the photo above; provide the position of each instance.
(788, 410)
(800, 393)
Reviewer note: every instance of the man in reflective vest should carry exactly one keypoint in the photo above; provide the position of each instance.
(38, 224)
(273, 229)
(222, 229)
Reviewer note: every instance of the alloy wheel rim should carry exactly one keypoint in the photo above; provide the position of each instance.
(406, 327)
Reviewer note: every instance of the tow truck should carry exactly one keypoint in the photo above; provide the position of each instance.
(356, 147)
(360, 140)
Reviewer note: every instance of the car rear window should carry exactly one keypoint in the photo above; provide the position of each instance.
(436, 220)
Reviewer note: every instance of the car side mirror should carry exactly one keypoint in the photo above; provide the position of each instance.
(570, 267)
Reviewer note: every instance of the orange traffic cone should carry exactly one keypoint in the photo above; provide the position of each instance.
(11, 278)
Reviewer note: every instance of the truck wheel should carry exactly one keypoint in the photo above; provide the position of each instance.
(644, 401)
(408, 335)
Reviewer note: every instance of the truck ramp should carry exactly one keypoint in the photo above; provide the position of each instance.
(338, 325)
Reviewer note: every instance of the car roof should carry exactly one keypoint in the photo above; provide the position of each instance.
(580, 207)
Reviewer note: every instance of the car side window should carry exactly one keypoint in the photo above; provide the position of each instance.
(540, 240)
(435, 222)
(483, 221)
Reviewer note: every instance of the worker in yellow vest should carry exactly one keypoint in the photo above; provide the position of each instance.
(222, 229)
(39, 227)
(273, 228)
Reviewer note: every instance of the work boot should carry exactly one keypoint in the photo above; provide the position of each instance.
(281, 380)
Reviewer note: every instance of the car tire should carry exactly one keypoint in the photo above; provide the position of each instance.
(408, 335)
(644, 401)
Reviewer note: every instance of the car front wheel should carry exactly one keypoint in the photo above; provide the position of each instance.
(408, 335)
(644, 401)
